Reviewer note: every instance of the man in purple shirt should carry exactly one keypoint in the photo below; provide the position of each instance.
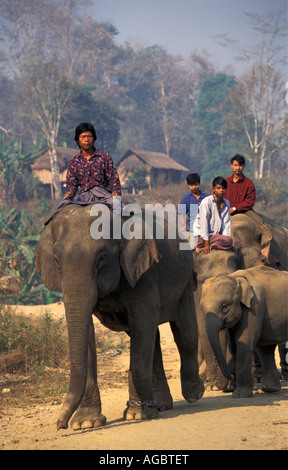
(90, 168)
(91, 175)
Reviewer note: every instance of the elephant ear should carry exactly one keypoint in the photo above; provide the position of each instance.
(245, 290)
(45, 262)
(265, 237)
(136, 257)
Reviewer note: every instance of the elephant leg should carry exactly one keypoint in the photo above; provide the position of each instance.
(257, 368)
(192, 385)
(201, 360)
(271, 376)
(211, 372)
(244, 378)
(138, 409)
(185, 334)
(88, 414)
(161, 389)
(231, 360)
(222, 382)
(283, 353)
(141, 404)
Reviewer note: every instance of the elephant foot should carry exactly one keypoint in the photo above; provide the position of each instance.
(61, 424)
(85, 418)
(271, 388)
(243, 392)
(229, 388)
(192, 390)
(211, 387)
(164, 401)
(138, 410)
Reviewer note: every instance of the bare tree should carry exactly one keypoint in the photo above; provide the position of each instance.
(33, 31)
(45, 97)
(257, 103)
(259, 100)
(88, 53)
(24, 29)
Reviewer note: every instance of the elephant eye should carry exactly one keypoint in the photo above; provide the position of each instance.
(101, 261)
(225, 308)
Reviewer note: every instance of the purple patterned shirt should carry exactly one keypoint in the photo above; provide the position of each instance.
(100, 171)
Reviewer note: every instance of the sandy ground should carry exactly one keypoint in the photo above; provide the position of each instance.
(215, 422)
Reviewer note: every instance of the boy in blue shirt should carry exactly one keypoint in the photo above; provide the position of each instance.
(189, 205)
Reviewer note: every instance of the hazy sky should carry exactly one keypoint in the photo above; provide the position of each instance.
(181, 26)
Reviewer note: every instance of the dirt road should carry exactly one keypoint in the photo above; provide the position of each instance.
(215, 422)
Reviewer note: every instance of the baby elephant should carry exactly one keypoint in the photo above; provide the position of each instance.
(252, 304)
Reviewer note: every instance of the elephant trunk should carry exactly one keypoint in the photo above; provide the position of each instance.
(78, 309)
(213, 326)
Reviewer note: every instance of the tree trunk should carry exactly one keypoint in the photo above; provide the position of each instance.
(165, 119)
(55, 170)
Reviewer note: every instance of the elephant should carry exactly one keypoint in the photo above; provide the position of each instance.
(205, 266)
(130, 284)
(258, 241)
(252, 305)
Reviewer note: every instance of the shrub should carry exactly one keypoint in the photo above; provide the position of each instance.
(38, 345)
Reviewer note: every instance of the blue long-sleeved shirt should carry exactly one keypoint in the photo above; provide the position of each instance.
(189, 206)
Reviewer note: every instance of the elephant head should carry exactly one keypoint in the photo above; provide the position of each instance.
(216, 263)
(222, 300)
(252, 238)
(87, 270)
(66, 249)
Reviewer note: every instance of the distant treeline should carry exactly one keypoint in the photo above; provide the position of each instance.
(60, 67)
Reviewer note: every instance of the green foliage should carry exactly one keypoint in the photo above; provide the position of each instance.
(218, 162)
(19, 238)
(272, 197)
(14, 165)
(40, 344)
(138, 179)
(17, 232)
(214, 141)
(85, 107)
(13, 162)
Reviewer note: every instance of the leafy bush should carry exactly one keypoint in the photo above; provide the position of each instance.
(19, 239)
(39, 344)
(138, 179)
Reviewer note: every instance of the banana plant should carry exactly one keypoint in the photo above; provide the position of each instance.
(13, 161)
(19, 239)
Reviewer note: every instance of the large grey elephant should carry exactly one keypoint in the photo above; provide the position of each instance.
(259, 241)
(252, 304)
(131, 285)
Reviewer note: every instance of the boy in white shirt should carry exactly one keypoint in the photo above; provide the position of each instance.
(213, 222)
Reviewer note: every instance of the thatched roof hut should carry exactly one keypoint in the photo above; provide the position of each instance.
(161, 168)
(41, 168)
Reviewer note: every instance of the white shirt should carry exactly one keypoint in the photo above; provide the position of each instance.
(209, 221)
